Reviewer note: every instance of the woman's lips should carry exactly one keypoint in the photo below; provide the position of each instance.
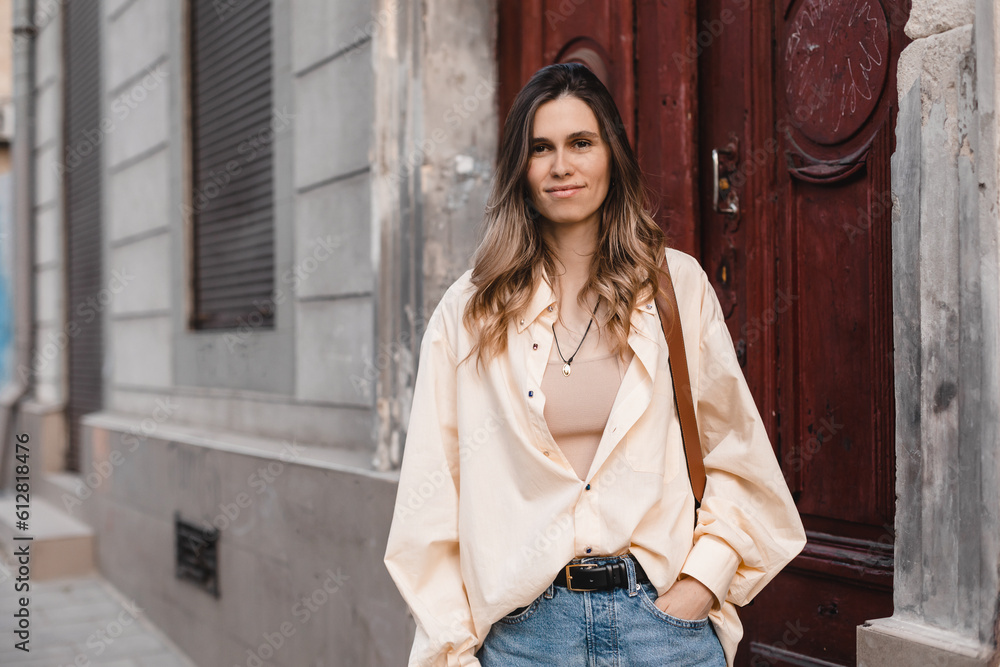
(564, 193)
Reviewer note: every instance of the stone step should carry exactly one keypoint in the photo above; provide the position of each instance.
(53, 487)
(62, 546)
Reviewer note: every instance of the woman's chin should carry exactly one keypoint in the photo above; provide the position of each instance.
(567, 217)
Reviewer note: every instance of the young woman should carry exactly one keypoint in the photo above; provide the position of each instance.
(544, 514)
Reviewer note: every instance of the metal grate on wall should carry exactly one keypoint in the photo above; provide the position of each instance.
(81, 170)
(196, 555)
(231, 200)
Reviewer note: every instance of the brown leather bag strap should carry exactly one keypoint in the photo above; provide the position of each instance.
(682, 381)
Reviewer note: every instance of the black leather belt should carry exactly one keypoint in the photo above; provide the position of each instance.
(577, 576)
(584, 576)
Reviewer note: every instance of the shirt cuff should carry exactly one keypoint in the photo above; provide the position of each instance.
(712, 562)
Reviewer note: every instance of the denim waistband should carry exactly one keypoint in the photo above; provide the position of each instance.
(600, 560)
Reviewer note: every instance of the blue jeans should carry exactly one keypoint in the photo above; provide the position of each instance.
(620, 627)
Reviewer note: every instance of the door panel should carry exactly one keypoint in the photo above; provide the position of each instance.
(721, 52)
(797, 97)
(597, 33)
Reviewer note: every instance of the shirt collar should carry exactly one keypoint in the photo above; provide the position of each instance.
(544, 297)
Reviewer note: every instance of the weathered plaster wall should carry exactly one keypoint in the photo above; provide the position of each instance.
(435, 146)
(460, 119)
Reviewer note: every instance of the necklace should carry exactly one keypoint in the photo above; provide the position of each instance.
(567, 362)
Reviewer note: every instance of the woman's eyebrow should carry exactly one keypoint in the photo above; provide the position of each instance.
(581, 134)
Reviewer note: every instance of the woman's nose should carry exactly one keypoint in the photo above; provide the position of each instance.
(561, 166)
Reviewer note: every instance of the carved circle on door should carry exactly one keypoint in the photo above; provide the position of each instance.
(587, 52)
(836, 64)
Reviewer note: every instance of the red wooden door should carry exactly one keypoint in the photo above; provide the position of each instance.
(797, 100)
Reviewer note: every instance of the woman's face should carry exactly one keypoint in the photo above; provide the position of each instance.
(569, 166)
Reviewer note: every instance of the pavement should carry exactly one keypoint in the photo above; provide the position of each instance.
(80, 622)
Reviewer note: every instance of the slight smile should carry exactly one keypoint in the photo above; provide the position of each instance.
(564, 191)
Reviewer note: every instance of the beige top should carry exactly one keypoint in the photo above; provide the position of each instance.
(577, 406)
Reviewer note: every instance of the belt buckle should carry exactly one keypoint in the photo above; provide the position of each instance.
(569, 577)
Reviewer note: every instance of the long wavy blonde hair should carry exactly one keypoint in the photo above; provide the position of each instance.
(510, 259)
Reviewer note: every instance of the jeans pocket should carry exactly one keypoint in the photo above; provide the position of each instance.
(521, 614)
(648, 595)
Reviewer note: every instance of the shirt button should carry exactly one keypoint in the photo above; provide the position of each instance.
(649, 305)
(522, 320)
(588, 487)
(530, 393)
(546, 452)
(534, 346)
(588, 550)
(551, 308)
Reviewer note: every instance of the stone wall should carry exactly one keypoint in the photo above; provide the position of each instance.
(946, 301)
(384, 137)
(436, 138)
(301, 534)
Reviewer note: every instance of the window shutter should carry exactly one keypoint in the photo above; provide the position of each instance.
(82, 183)
(231, 135)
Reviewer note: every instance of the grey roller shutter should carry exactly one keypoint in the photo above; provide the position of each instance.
(232, 196)
(82, 183)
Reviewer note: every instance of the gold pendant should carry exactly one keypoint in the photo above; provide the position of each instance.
(566, 370)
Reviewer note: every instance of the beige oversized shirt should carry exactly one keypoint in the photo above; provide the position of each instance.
(488, 511)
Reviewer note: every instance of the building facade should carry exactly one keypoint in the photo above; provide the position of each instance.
(237, 215)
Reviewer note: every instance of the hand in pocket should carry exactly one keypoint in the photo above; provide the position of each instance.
(687, 599)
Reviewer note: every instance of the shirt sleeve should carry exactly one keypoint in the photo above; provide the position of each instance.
(422, 553)
(748, 527)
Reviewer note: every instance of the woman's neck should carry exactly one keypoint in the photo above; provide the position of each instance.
(574, 247)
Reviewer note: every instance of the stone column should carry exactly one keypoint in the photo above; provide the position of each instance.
(946, 300)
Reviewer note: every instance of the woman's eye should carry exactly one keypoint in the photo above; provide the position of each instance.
(538, 148)
(582, 143)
